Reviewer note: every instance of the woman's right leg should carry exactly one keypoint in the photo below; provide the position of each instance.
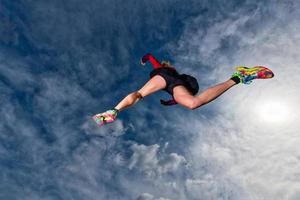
(153, 85)
(184, 97)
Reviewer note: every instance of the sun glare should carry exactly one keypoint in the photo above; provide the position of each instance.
(275, 112)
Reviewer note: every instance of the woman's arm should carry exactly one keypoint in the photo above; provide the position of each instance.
(149, 57)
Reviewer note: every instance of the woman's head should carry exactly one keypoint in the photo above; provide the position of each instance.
(166, 63)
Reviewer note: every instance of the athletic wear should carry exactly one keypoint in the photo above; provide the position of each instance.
(170, 102)
(106, 117)
(155, 63)
(149, 57)
(174, 79)
(235, 78)
(246, 75)
(191, 83)
(171, 76)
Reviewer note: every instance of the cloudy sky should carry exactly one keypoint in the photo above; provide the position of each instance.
(63, 61)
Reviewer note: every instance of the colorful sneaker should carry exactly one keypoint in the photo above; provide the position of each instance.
(246, 74)
(106, 117)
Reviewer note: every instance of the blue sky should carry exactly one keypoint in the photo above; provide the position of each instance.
(62, 62)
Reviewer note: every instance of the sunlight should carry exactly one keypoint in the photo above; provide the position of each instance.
(275, 112)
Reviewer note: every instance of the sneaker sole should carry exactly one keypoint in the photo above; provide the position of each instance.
(101, 120)
(250, 71)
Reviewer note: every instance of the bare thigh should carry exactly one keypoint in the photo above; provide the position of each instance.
(155, 84)
(184, 97)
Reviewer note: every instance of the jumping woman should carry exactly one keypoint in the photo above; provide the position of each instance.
(183, 88)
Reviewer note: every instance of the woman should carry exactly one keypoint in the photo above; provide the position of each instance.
(182, 87)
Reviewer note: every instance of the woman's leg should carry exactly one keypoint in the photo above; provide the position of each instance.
(153, 85)
(184, 97)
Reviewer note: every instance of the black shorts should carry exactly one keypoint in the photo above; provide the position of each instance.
(174, 79)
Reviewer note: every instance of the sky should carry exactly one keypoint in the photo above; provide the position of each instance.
(61, 62)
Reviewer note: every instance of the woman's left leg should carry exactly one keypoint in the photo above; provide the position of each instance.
(184, 97)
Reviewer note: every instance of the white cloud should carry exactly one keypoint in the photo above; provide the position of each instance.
(113, 129)
(233, 156)
(257, 156)
(202, 189)
(147, 159)
(147, 196)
